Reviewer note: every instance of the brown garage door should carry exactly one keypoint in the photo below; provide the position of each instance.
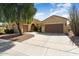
(54, 28)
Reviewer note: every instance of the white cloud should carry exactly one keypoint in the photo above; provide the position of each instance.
(67, 5)
(59, 5)
(65, 15)
(61, 10)
(51, 10)
(39, 14)
(64, 5)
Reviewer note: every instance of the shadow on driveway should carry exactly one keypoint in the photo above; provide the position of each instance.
(75, 40)
(16, 37)
(5, 45)
(52, 34)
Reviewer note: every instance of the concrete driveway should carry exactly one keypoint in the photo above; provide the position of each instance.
(44, 44)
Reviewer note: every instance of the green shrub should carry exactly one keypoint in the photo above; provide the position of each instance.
(38, 28)
(9, 31)
(6, 31)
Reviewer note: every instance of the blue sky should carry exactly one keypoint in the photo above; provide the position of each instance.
(45, 10)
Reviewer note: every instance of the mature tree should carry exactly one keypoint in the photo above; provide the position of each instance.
(17, 13)
(23, 12)
(74, 19)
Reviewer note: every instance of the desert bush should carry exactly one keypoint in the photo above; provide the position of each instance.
(9, 31)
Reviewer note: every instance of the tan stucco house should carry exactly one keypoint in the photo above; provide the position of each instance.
(53, 24)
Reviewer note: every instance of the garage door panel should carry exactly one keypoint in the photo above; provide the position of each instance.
(55, 28)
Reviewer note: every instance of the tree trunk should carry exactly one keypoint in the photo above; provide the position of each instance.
(19, 29)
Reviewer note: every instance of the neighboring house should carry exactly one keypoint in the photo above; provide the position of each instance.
(55, 24)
